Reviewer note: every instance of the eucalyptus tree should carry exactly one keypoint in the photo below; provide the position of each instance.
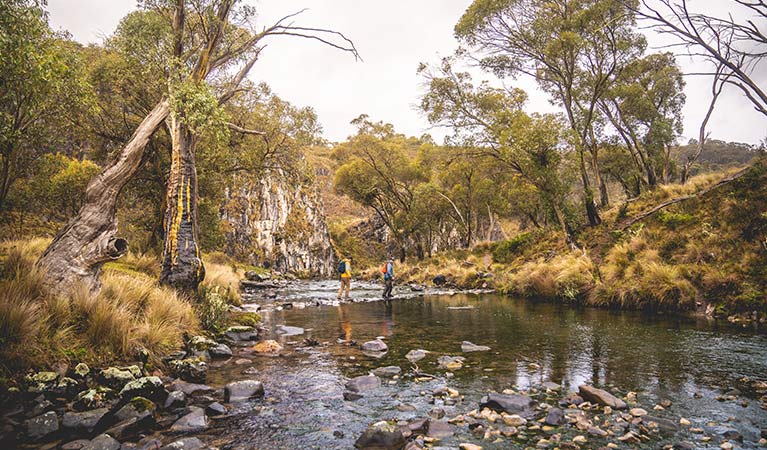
(492, 122)
(573, 48)
(644, 105)
(207, 53)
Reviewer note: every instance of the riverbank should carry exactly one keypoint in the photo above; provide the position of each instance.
(705, 253)
(479, 369)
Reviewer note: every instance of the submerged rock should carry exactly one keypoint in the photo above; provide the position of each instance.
(267, 346)
(438, 429)
(511, 404)
(387, 372)
(381, 436)
(365, 383)
(416, 355)
(243, 390)
(602, 397)
(42, 425)
(288, 331)
(450, 362)
(468, 347)
(554, 417)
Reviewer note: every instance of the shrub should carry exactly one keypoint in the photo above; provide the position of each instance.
(566, 277)
(506, 251)
(674, 220)
(212, 308)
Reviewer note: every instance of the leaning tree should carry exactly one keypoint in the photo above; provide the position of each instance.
(214, 47)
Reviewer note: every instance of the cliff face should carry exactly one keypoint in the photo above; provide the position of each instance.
(279, 223)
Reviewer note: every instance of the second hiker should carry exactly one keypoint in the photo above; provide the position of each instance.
(345, 269)
(388, 276)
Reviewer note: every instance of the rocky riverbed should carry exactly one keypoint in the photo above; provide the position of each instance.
(429, 370)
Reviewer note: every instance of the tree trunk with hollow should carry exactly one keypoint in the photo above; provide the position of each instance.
(182, 266)
(81, 248)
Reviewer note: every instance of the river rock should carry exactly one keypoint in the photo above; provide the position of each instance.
(450, 362)
(468, 347)
(220, 351)
(243, 390)
(138, 408)
(188, 388)
(194, 421)
(215, 409)
(41, 382)
(149, 387)
(571, 399)
(42, 425)
(467, 446)
(438, 429)
(511, 403)
(191, 369)
(268, 346)
(387, 372)
(189, 443)
(67, 388)
(663, 424)
(176, 399)
(99, 397)
(364, 383)
(416, 355)
(381, 436)
(82, 370)
(554, 417)
(241, 333)
(551, 386)
(604, 398)
(439, 280)
(288, 331)
(115, 377)
(85, 420)
(75, 445)
(102, 442)
(376, 345)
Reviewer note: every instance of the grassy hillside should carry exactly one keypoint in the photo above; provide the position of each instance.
(706, 252)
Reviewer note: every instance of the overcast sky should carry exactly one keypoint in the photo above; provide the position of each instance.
(393, 37)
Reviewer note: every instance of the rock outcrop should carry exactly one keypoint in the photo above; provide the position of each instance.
(278, 223)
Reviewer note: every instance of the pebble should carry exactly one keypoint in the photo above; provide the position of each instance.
(467, 446)
(580, 439)
(684, 422)
(726, 446)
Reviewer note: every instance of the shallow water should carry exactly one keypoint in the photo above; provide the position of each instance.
(658, 357)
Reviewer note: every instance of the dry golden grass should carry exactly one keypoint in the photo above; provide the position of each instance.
(131, 311)
(569, 277)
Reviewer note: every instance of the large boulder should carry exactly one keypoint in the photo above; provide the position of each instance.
(221, 351)
(602, 397)
(241, 333)
(149, 387)
(190, 369)
(376, 345)
(138, 408)
(194, 421)
(83, 421)
(509, 403)
(381, 436)
(102, 442)
(239, 391)
(364, 383)
(468, 347)
(42, 425)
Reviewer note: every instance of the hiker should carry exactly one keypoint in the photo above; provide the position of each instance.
(345, 269)
(388, 276)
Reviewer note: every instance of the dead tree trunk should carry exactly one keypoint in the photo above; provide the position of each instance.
(80, 249)
(182, 266)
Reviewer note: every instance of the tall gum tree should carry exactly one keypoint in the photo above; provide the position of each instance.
(572, 48)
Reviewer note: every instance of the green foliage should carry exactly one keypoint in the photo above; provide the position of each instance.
(212, 308)
(506, 251)
(674, 220)
(196, 105)
(247, 319)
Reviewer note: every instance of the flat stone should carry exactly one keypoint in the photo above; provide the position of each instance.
(602, 397)
(416, 355)
(387, 372)
(571, 399)
(241, 333)
(102, 442)
(42, 425)
(194, 421)
(288, 331)
(511, 404)
(439, 429)
(637, 412)
(216, 409)
(467, 446)
(663, 424)
(85, 420)
(243, 390)
(364, 383)
(176, 399)
(468, 347)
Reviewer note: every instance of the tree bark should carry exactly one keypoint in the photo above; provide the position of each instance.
(81, 248)
(182, 266)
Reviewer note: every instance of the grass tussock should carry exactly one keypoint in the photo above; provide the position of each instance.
(635, 277)
(570, 276)
(130, 312)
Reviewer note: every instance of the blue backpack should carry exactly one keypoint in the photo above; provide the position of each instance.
(342, 267)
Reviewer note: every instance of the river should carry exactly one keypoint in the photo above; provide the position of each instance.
(691, 363)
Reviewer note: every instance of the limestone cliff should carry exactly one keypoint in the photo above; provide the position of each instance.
(278, 222)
